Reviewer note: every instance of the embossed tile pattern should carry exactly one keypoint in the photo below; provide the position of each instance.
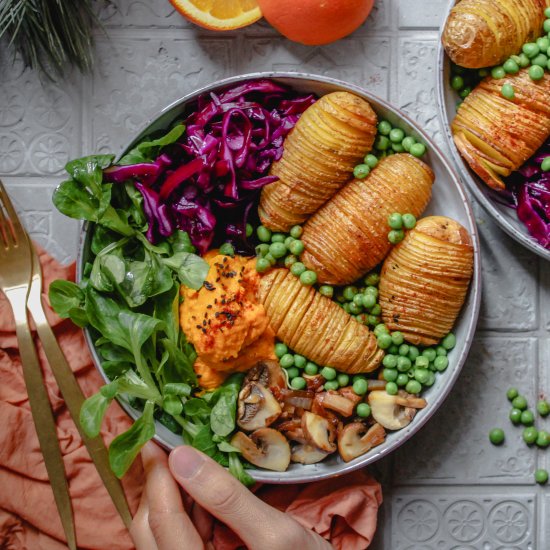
(446, 489)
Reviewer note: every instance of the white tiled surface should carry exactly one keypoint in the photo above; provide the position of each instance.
(448, 488)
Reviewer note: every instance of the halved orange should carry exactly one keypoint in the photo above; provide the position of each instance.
(219, 15)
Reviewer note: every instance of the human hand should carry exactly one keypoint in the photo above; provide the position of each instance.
(162, 523)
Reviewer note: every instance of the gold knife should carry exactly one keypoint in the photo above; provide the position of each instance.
(71, 391)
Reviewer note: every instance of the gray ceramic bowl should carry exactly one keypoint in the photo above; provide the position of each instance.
(448, 199)
(506, 217)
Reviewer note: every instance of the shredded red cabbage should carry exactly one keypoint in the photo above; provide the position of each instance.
(530, 195)
(207, 182)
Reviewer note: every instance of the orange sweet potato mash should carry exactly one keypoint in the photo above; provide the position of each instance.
(224, 321)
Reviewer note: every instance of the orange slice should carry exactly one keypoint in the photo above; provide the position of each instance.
(219, 15)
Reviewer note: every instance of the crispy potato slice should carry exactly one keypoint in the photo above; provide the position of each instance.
(496, 135)
(329, 139)
(483, 33)
(317, 327)
(425, 278)
(348, 236)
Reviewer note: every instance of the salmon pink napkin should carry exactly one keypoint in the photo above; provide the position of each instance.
(343, 509)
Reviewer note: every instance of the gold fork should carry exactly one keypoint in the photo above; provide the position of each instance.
(15, 278)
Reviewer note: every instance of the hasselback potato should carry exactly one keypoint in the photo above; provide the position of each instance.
(348, 236)
(329, 139)
(424, 280)
(315, 326)
(482, 33)
(497, 135)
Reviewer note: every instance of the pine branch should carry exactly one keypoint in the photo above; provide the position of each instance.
(50, 34)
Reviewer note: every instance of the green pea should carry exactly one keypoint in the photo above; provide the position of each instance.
(422, 362)
(547, 12)
(292, 372)
(363, 410)
(299, 361)
(290, 260)
(372, 290)
(343, 380)
(355, 309)
(545, 164)
(413, 353)
(376, 309)
(395, 220)
(371, 161)
(296, 231)
(296, 247)
(413, 386)
(278, 238)
(515, 416)
(512, 393)
(440, 350)
(358, 300)
(522, 60)
(264, 234)
(361, 318)
(543, 407)
(393, 349)
(519, 402)
(346, 307)
(496, 436)
(381, 329)
(465, 92)
(368, 300)
(373, 320)
(277, 250)
(441, 363)
(543, 439)
(384, 341)
(457, 83)
(361, 171)
(507, 91)
(541, 476)
(449, 342)
(389, 361)
(541, 60)
(397, 337)
(404, 349)
(404, 364)
(326, 290)
(510, 66)
(536, 72)
(249, 230)
(384, 127)
(430, 354)
(396, 135)
(543, 43)
(431, 379)
(498, 72)
(289, 240)
(270, 258)
(527, 418)
(297, 269)
(546, 25)
(381, 143)
(308, 278)
(395, 236)
(408, 142)
(389, 375)
(287, 360)
(349, 292)
(328, 373)
(530, 435)
(409, 221)
(397, 147)
(311, 368)
(417, 150)
(298, 383)
(227, 249)
(331, 385)
(262, 265)
(262, 249)
(391, 388)
(422, 375)
(358, 377)
(360, 387)
(530, 49)
(280, 349)
(402, 379)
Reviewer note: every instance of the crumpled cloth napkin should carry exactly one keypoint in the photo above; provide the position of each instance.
(343, 509)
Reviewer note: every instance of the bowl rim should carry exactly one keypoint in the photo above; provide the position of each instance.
(473, 297)
(475, 185)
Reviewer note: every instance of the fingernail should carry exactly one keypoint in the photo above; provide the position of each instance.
(185, 462)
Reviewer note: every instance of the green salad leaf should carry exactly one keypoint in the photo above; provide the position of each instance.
(146, 151)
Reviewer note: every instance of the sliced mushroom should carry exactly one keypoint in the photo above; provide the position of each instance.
(292, 429)
(307, 454)
(338, 403)
(268, 373)
(265, 448)
(356, 439)
(394, 411)
(257, 407)
(319, 431)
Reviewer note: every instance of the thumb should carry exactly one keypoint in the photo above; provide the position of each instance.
(216, 490)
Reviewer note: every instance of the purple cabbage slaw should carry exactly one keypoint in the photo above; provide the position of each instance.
(528, 190)
(207, 182)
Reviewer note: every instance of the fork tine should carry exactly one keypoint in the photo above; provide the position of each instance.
(12, 225)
